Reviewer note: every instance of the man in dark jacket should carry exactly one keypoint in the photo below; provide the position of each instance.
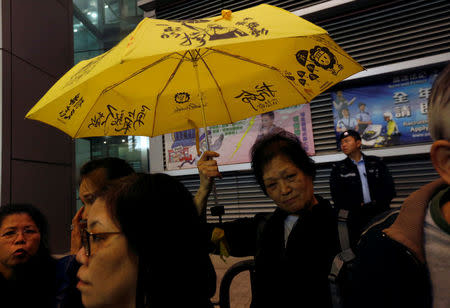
(360, 184)
(408, 263)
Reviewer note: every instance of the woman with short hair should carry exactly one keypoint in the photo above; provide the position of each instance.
(27, 271)
(145, 246)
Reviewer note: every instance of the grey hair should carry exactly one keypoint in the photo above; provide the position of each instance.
(439, 106)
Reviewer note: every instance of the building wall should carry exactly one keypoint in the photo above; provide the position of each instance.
(37, 160)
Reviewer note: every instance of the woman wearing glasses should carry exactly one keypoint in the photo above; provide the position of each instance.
(144, 246)
(27, 271)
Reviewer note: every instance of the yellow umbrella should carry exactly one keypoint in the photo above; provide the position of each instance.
(168, 76)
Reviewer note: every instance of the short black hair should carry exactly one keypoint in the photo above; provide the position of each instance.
(159, 219)
(115, 167)
(284, 144)
(36, 215)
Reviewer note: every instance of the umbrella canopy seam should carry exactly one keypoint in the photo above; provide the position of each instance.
(165, 87)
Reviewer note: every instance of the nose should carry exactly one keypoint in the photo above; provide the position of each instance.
(285, 189)
(20, 238)
(81, 256)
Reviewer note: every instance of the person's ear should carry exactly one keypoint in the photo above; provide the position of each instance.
(358, 143)
(440, 157)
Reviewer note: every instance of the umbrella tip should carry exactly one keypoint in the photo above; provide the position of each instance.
(226, 14)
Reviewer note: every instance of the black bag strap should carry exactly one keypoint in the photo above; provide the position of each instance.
(344, 238)
(346, 255)
(339, 261)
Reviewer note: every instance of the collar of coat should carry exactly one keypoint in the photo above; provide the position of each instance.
(408, 227)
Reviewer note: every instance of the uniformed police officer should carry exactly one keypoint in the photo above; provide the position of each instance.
(360, 184)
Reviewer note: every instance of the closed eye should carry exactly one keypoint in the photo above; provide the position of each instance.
(31, 231)
(271, 185)
(291, 177)
(9, 233)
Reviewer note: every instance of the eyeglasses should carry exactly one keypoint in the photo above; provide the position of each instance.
(12, 235)
(90, 241)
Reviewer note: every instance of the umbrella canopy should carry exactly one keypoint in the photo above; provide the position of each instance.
(168, 76)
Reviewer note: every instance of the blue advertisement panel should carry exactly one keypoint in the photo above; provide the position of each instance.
(386, 114)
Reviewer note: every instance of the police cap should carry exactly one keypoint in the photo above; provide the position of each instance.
(350, 132)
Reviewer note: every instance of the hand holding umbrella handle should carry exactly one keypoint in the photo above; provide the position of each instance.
(208, 170)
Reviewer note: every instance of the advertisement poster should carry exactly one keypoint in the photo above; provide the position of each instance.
(386, 114)
(233, 141)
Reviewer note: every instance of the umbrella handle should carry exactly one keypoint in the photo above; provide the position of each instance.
(214, 191)
(216, 202)
(201, 102)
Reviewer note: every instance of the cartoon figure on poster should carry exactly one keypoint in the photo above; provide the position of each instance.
(386, 114)
(182, 151)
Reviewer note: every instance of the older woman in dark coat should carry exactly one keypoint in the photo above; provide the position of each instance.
(27, 271)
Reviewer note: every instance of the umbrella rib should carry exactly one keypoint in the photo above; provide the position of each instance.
(218, 86)
(109, 88)
(164, 88)
(138, 72)
(257, 63)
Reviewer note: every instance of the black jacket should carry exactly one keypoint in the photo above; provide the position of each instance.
(391, 270)
(67, 294)
(346, 191)
(33, 285)
(294, 275)
(346, 188)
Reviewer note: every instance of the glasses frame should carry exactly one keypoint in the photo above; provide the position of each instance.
(24, 233)
(86, 239)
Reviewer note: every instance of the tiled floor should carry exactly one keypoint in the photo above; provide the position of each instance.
(240, 292)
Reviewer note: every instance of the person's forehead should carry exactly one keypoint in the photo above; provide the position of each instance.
(348, 138)
(17, 219)
(93, 181)
(99, 216)
(278, 165)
